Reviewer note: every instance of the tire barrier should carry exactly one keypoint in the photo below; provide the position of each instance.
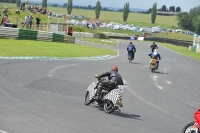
(24, 34)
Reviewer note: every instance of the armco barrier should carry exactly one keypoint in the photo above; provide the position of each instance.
(44, 36)
(24, 34)
(27, 34)
(157, 39)
(8, 32)
(83, 34)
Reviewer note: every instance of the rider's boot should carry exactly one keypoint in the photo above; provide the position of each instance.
(98, 93)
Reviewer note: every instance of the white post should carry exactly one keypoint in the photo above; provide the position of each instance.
(57, 24)
(48, 24)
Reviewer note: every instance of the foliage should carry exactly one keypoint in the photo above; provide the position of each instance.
(178, 9)
(164, 8)
(44, 3)
(185, 21)
(194, 11)
(190, 21)
(126, 12)
(172, 8)
(97, 9)
(153, 13)
(196, 24)
(69, 6)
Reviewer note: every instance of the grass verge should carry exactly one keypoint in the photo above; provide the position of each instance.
(11, 47)
(182, 50)
(110, 42)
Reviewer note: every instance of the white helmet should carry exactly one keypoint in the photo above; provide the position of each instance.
(155, 50)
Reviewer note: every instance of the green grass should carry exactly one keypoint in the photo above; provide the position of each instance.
(178, 36)
(11, 47)
(182, 50)
(110, 16)
(111, 42)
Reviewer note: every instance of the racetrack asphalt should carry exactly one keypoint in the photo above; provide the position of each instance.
(46, 96)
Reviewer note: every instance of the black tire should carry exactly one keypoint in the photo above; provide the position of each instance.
(109, 107)
(86, 99)
(186, 129)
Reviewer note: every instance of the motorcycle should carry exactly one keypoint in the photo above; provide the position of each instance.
(109, 100)
(130, 57)
(193, 127)
(153, 65)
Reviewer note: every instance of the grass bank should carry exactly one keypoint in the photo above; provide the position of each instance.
(11, 47)
(182, 50)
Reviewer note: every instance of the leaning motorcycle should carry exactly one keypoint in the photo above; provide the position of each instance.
(153, 65)
(193, 127)
(109, 100)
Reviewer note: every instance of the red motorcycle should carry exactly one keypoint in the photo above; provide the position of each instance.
(193, 127)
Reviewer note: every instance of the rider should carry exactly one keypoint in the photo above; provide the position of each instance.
(114, 79)
(155, 55)
(131, 50)
(153, 46)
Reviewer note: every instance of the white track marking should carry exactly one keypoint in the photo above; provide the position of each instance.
(151, 104)
(144, 66)
(168, 82)
(58, 68)
(1, 131)
(155, 78)
(195, 103)
(160, 87)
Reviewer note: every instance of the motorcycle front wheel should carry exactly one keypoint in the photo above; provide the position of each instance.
(187, 128)
(86, 99)
(109, 106)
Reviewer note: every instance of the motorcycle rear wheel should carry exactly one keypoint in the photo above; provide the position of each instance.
(86, 99)
(109, 106)
(187, 129)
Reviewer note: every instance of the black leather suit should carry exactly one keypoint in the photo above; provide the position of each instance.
(153, 46)
(115, 79)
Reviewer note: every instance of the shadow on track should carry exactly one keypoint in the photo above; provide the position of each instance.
(160, 72)
(126, 115)
(135, 63)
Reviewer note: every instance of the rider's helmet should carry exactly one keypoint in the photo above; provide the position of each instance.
(130, 43)
(114, 68)
(155, 50)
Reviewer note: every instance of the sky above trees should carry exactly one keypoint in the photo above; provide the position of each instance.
(185, 5)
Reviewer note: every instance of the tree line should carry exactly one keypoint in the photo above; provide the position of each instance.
(190, 21)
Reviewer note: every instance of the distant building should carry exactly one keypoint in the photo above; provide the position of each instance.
(168, 13)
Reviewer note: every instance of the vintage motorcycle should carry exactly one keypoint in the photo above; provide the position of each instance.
(153, 65)
(109, 100)
(193, 127)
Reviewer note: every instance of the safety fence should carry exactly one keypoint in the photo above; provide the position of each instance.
(25, 34)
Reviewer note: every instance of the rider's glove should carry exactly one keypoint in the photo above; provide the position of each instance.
(96, 76)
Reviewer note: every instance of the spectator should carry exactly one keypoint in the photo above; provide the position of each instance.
(27, 21)
(70, 30)
(30, 20)
(5, 12)
(93, 25)
(5, 20)
(38, 22)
